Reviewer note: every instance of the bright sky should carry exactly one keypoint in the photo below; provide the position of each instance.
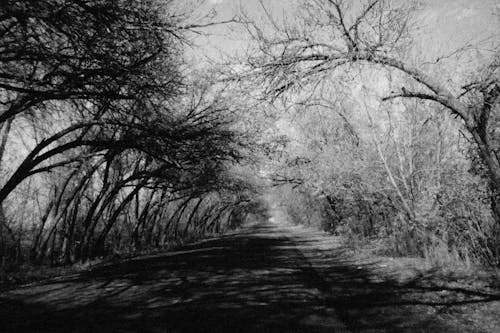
(445, 24)
(228, 39)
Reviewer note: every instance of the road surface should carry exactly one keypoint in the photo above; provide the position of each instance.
(264, 278)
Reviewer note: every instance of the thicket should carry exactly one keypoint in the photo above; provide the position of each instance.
(377, 140)
(326, 179)
(108, 143)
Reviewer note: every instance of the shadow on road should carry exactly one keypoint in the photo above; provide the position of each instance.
(261, 279)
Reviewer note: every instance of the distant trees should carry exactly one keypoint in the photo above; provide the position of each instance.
(314, 52)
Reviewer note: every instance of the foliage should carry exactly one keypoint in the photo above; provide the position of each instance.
(368, 128)
(109, 143)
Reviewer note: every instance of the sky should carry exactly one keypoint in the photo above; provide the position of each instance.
(228, 39)
(444, 24)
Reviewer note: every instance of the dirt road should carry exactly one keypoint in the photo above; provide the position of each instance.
(264, 278)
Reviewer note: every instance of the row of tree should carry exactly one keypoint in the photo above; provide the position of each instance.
(107, 143)
(374, 143)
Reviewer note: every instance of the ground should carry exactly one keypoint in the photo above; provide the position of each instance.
(268, 276)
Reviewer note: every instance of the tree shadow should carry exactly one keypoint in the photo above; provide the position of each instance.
(256, 280)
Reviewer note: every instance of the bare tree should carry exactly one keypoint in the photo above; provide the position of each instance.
(330, 35)
(119, 135)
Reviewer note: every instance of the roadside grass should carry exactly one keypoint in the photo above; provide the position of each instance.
(26, 273)
(444, 272)
(466, 296)
(18, 275)
(438, 262)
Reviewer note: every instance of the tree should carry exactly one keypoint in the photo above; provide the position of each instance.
(86, 67)
(113, 126)
(330, 35)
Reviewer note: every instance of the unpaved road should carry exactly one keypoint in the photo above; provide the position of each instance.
(263, 278)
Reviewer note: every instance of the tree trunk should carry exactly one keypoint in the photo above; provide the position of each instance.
(4, 228)
(492, 164)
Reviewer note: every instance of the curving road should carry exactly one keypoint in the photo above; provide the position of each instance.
(265, 278)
